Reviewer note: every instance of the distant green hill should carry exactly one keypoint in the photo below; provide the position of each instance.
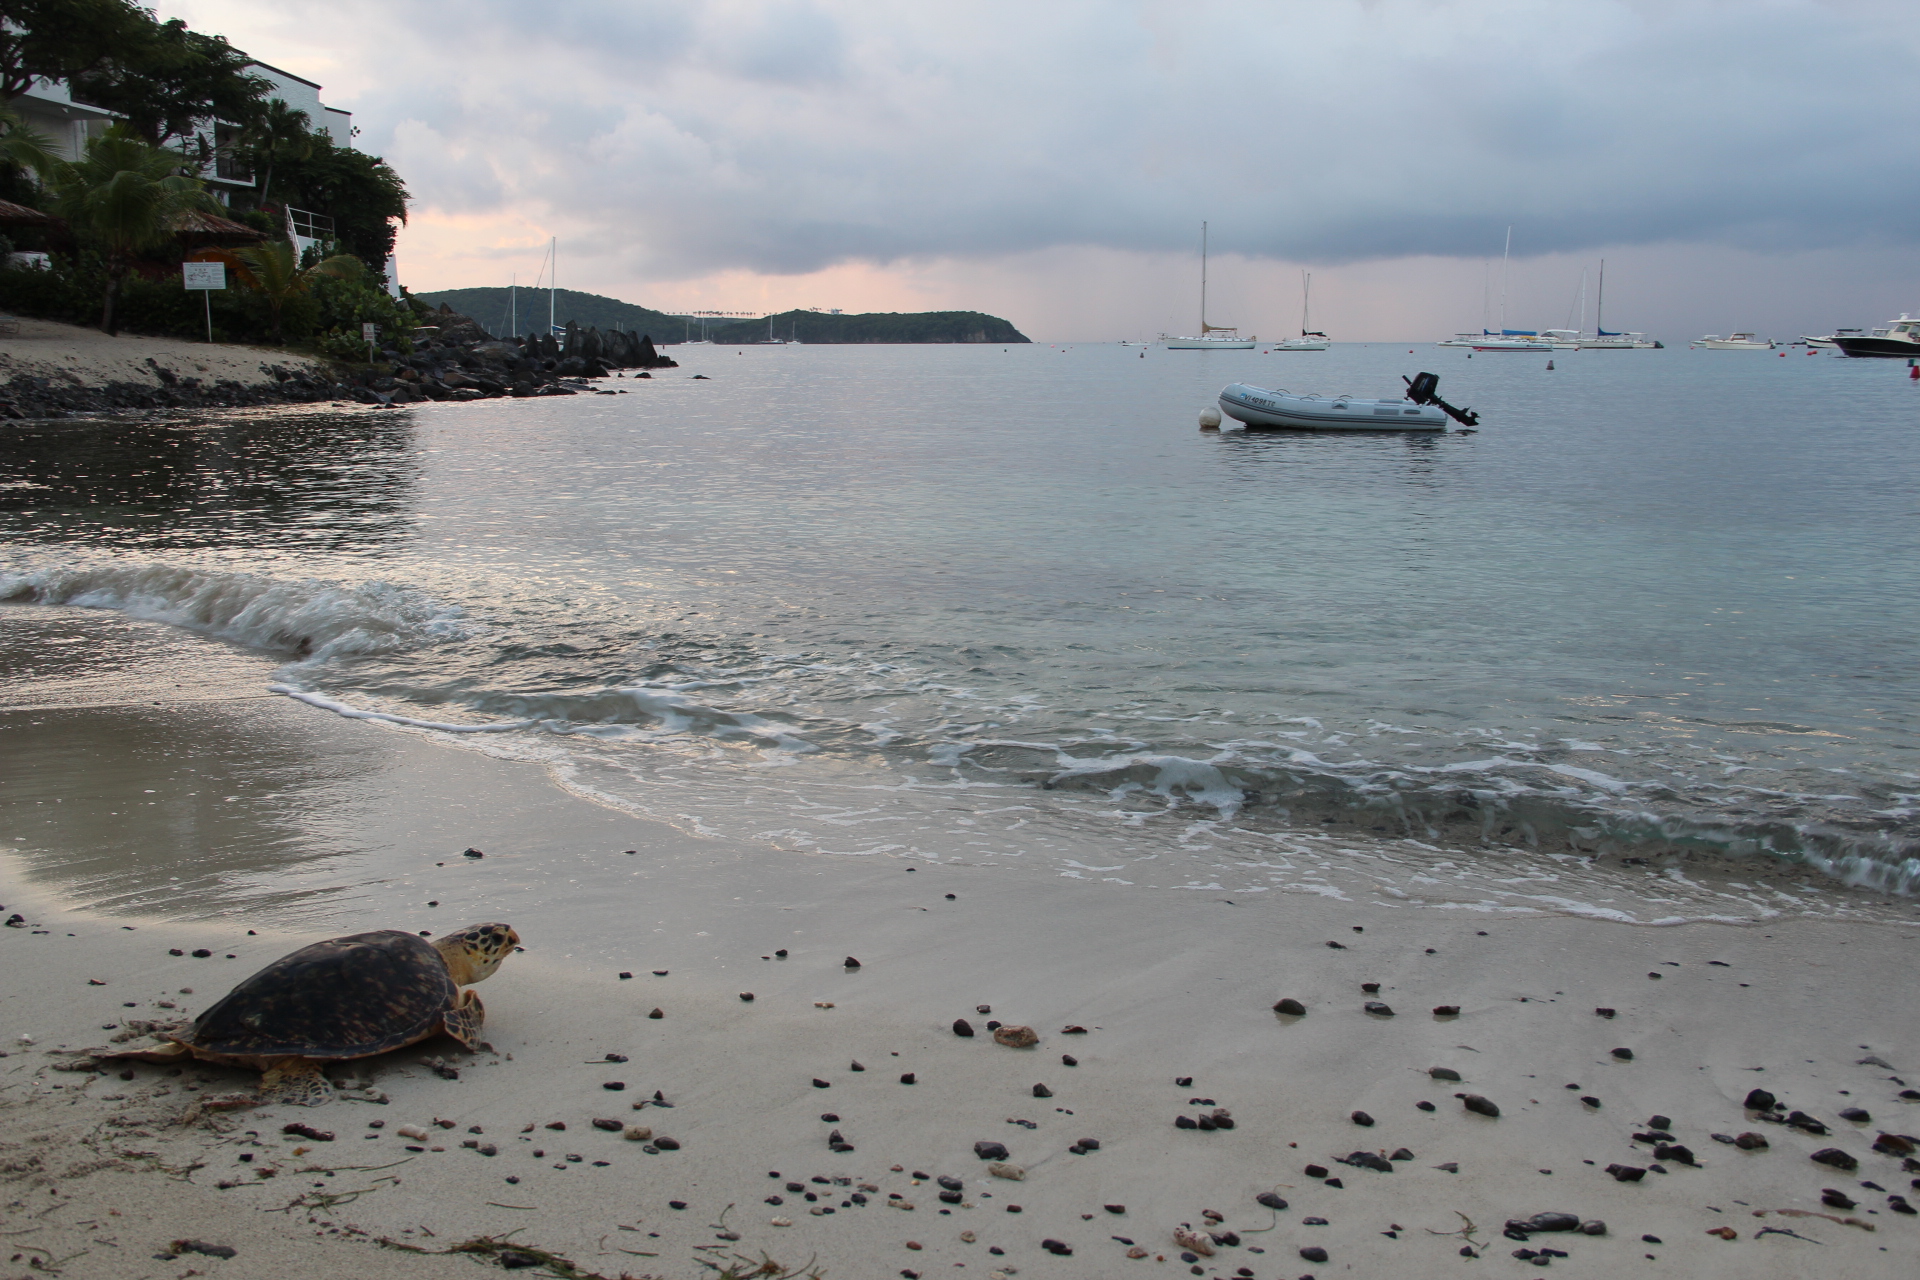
(880, 326)
(489, 306)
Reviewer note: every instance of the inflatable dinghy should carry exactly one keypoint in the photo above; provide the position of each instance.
(1421, 410)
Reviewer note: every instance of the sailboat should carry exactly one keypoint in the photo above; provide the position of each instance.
(1228, 338)
(1605, 341)
(1310, 339)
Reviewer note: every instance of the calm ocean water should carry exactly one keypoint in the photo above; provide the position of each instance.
(1009, 606)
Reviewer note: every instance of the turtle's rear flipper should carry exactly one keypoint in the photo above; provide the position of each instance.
(464, 1020)
(295, 1082)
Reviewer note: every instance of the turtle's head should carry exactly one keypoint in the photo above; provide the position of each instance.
(473, 953)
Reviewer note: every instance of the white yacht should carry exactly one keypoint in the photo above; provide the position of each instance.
(1310, 339)
(1605, 341)
(1899, 339)
(1512, 340)
(1737, 342)
(1213, 337)
(1828, 340)
(1562, 339)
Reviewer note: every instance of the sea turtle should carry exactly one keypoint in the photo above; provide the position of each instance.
(349, 997)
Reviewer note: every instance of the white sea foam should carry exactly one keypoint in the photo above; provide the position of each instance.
(307, 618)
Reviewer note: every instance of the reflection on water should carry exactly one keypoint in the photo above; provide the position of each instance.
(328, 481)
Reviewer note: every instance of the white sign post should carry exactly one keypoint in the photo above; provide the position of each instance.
(369, 332)
(205, 276)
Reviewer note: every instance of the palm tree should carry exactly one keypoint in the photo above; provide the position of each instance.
(127, 194)
(271, 271)
(278, 132)
(22, 147)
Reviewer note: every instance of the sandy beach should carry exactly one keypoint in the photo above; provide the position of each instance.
(1163, 1004)
(87, 357)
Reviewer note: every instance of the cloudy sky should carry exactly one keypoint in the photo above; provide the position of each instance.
(1741, 164)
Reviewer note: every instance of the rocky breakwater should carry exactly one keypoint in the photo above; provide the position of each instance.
(459, 360)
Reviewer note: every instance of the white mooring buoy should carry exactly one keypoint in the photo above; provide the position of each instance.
(1210, 418)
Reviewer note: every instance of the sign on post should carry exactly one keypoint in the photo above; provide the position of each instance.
(368, 333)
(205, 276)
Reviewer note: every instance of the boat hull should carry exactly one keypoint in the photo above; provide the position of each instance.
(1301, 344)
(1209, 344)
(1260, 408)
(1722, 344)
(1883, 348)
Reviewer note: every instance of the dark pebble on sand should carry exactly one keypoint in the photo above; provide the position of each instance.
(990, 1150)
(614, 1086)
(201, 953)
(1424, 1106)
(1836, 1158)
(1625, 1055)
(1652, 1240)
(1271, 1200)
(1315, 1171)
(1041, 1091)
(1446, 1011)
(850, 963)
(1656, 976)
(615, 1057)
(1313, 1253)
(1478, 1105)
(1836, 1199)
(676, 1204)
(657, 1013)
(1090, 1144)
(1114, 1208)
(1444, 1073)
(1290, 1007)
(624, 975)
(1184, 1082)
(1068, 1060)
(906, 1077)
(961, 1027)
(1855, 1114)
(1379, 1010)
(611, 1126)
(821, 1084)
(1338, 946)
(747, 996)
(1591, 1101)
(1185, 1122)
(1549, 1222)
(1361, 1118)
(1401, 1153)
(667, 1144)
(1659, 1122)
(1371, 988)
(1626, 1173)
(1369, 1160)
(1760, 1100)
(1751, 1142)
(1604, 1013)
(1057, 1247)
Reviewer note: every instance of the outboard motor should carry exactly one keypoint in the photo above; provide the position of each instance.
(1422, 389)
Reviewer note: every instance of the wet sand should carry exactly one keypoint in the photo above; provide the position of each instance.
(334, 827)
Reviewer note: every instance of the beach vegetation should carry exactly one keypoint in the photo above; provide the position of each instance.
(63, 39)
(165, 80)
(271, 271)
(127, 196)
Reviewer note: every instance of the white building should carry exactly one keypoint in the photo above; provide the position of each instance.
(47, 108)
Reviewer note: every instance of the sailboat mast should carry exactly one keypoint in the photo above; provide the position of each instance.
(1505, 254)
(1600, 302)
(1306, 295)
(553, 278)
(1203, 279)
(513, 300)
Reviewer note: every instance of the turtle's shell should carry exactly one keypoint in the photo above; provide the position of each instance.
(348, 997)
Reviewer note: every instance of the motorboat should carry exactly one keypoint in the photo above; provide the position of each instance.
(1213, 337)
(1826, 340)
(1900, 338)
(1419, 410)
(1459, 340)
(1310, 339)
(1738, 342)
(1562, 339)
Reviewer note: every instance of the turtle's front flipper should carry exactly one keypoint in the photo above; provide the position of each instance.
(296, 1082)
(464, 1020)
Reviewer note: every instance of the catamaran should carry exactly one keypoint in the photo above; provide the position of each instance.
(1213, 337)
